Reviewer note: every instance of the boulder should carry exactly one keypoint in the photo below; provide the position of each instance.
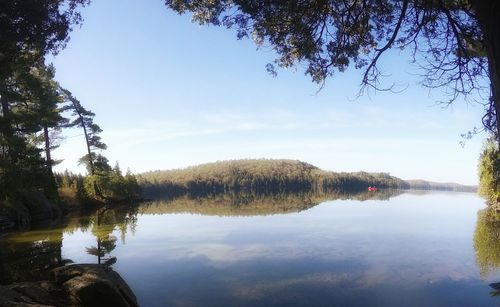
(94, 285)
(9, 297)
(32, 294)
(72, 285)
(6, 224)
(13, 215)
(34, 207)
(40, 208)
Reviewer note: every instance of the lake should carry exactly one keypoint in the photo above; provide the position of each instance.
(371, 249)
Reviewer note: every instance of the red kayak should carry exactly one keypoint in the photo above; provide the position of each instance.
(372, 189)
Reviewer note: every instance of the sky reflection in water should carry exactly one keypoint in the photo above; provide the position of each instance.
(411, 250)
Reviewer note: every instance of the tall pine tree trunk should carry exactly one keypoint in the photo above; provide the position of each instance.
(89, 152)
(47, 149)
(51, 186)
(6, 128)
(97, 192)
(488, 16)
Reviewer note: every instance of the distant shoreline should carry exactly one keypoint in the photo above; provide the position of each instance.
(273, 176)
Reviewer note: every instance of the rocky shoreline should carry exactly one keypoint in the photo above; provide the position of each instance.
(34, 208)
(72, 285)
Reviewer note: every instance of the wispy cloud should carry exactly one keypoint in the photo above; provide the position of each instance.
(222, 122)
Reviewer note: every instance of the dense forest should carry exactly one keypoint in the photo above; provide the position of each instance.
(489, 173)
(260, 176)
(35, 109)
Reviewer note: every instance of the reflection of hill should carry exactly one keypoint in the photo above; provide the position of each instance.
(385, 194)
(253, 204)
(227, 205)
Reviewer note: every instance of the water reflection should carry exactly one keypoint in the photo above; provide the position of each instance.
(405, 252)
(30, 255)
(106, 241)
(248, 204)
(285, 249)
(487, 245)
(103, 224)
(487, 241)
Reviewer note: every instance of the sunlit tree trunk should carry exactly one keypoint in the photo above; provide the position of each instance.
(87, 142)
(488, 15)
(51, 185)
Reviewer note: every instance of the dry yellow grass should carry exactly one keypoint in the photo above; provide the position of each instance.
(69, 196)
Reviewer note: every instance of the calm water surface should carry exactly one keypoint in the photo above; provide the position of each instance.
(427, 249)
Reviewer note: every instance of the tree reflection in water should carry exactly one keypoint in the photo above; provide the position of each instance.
(30, 255)
(106, 241)
(487, 245)
(104, 223)
(252, 204)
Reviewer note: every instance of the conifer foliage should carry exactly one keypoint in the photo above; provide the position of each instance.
(265, 176)
(489, 172)
(34, 107)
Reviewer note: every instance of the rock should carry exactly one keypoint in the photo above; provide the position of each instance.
(73, 285)
(9, 297)
(40, 208)
(6, 224)
(41, 292)
(13, 215)
(32, 294)
(94, 285)
(32, 209)
(495, 285)
(21, 216)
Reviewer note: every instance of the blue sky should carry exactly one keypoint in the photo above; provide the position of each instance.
(169, 93)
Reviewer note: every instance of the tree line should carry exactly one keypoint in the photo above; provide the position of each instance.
(268, 176)
(35, 108)
(489, 173)
(260, 176)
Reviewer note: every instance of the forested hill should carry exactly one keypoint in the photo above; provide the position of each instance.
(261, 176)
(419, 184)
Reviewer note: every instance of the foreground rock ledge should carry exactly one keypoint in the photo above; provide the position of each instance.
(72, 285)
